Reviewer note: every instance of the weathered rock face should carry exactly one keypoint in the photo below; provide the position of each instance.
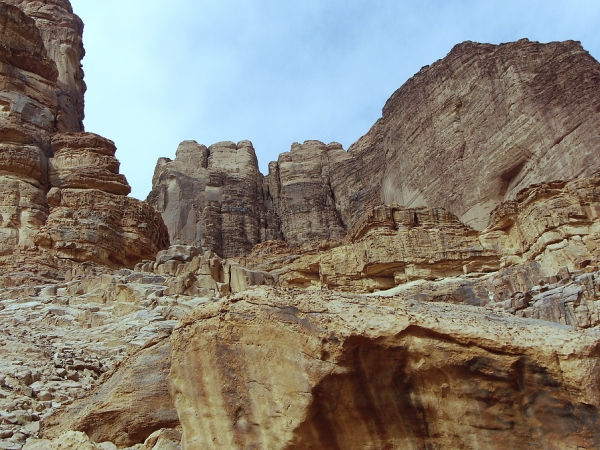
(86, 161)
(464, 134)
(212, 197)
(303, 200)
(61, 192)
(120, 411)
(27, 101)
(61, 31)
(92, 225)
(555, 224)
(354, 372)
(476, 127)
(391, 246)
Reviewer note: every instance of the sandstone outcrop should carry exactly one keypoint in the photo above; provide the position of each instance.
(389, 246)
(61, 32)
(86, 161)
(353, 372)
(299, 184)
(128, 407)
(62, 196)
(478, 126)
(345, 300)
(464, 134)
(212, 198)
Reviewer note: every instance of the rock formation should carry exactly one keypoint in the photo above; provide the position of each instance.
(476, 127)
(63, 196)
(464, 134)
(303, 200)
(212, 197)
(435, 286)
(61, 31)
(350, 372)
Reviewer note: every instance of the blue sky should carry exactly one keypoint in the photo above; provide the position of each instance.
(279, 71)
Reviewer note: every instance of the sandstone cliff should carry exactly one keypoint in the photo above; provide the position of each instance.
(435, 286)
(348, 372)
(476, 127)
(62, 196)
(61, 31)
(213, 197)
(464, 134)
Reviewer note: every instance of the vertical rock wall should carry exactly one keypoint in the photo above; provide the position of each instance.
(62, 194)
(303, 198)
(61, 31)
(212, 197)
(464, 134)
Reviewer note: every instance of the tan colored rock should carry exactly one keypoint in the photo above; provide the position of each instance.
(390, 246)
(556, 224)
(211, 198)
(61, 31)
(93, 225)
(70, 440)
(128, 407)
(164, 439)
(463, 135)
(352, 372)
(41, 171)
(476, 127)
(28, 99)
(303, 200)
(86, 161)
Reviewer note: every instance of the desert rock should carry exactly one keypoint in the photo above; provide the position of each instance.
(61, 31)
(303, 200)
(447, 129)
(86, 161)
(350, 371)
(478, 126)
(117, 412)
(212, 198)
(63, 196)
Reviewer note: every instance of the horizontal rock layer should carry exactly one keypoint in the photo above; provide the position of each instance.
(62, 196)
(212, 197)
(61, 32)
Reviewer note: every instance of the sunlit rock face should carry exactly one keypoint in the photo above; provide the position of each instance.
(464, 134)
(61, 31)
(346, 300)
(62, 194)
(212, 197)
(299, 184)
(476, 127)
(28, 103)
(272, 369)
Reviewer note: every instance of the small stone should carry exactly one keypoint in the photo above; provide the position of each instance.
(19, 436)
(33, 427)
(44, 396)
(73, 375)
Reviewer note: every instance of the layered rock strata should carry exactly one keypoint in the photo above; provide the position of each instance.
(212, 198)
(299, 184)
(63, 196)
(61, 32)
(464, 134)
(391, 246)
(476, 127)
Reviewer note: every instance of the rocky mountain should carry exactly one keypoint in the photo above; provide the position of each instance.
(435, 286)
(464, 134)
